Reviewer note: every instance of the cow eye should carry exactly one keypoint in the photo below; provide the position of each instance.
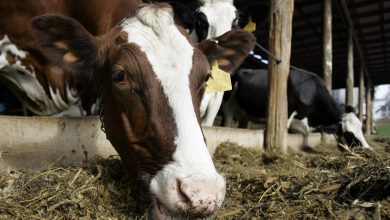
(119, 76)
(236, 23)
(201, 20)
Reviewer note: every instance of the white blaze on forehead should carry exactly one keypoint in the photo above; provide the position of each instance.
(350, 123)
(220, 15)
(26, 82)
(170, 55)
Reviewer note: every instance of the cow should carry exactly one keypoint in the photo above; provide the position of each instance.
(148, 74)
(309, 104)
(206, 19)
(222, 20)
(255, 10)
(213, 18)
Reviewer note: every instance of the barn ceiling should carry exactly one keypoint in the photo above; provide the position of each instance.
(371, 21)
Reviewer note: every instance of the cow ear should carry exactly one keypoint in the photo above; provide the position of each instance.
(230, 49)
(65, 42)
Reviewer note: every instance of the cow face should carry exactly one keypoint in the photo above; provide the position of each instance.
(351, 129)
(152, 79)
(214, 18)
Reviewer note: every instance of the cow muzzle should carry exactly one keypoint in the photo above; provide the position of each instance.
(189, 197)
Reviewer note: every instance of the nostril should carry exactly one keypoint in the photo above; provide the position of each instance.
(181, 189)
(198, 197)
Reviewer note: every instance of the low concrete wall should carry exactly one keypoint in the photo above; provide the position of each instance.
(253, 138)
(38, 142)
(244, 137)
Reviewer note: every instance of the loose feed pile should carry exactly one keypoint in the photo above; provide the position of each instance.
(100, 190)
(323, 184)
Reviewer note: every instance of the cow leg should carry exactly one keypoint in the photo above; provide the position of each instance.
(212, 108)
(228, 118)
(300, 127)
(242, 123)
(291, 118)
(305, 140)
(204, 104)
(230, 109)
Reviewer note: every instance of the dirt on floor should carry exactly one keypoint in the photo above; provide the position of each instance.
(326, 183)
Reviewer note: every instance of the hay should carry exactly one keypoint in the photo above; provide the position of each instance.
(327, 183)
(100, 190)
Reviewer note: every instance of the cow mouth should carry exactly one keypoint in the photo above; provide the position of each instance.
(161, 212)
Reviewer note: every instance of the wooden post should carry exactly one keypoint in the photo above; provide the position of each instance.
(371, 121)
(349, 24)
(368, 109)
(350, 80)
(361, 93)
(327, 45)
(280, 45)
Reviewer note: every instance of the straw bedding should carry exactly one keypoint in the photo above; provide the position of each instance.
(329, 182)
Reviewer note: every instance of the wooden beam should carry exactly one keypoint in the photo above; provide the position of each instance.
(373, 23)
(280, 30)
(382, 20)
(373, 11)
(364, 3)
(366, 14)
(350, 74)
(327, 45)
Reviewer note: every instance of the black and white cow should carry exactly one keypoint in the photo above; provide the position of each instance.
(309, 104)
(214, 17)
(257, 10)
(206, 19)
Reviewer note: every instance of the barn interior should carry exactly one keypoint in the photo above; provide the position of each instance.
(71, 179)
(371, 33)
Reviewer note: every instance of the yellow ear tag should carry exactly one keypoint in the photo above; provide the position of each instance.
(219, 81)
(251, 26)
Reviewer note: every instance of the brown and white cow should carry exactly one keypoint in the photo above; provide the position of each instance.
(37, 83)
(151, 79)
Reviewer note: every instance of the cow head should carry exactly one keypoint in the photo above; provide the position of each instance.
(152, 79)
(351, 129)
(213, 18)
(258, 11)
